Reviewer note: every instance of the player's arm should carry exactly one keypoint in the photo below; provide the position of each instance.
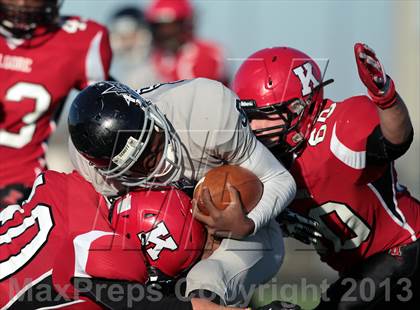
(279, 185)
(235, 143)
(396, 125)
(392, 138)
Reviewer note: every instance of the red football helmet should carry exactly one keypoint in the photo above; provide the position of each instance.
(162, 224)
(171, 23)
(285, 83)
(167, 11)
(24, 19)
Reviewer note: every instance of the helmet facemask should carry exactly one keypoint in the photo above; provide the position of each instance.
(122, 164)
(23, 21)
(288, 112)
(297, 116)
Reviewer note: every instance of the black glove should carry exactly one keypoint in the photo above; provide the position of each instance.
(299, 227)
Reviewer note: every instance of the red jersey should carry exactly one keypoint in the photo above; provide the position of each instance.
(32, 235)
(99, 254)
(360, 207)
(36, 76)
(194, 59)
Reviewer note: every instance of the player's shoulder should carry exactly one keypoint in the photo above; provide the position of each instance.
(59, 176)
(194, 89)
(87, 24)
(80, 29)
(354, 120)
(197, 106)
(209, 92)
(212, 97)
(54, 177)
(198, 83)
(195, 99)
(205, 84)
(214, 110)
(358, 105)
(65, 181)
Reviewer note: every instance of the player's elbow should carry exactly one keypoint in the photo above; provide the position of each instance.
(287, 186)
(283, 188)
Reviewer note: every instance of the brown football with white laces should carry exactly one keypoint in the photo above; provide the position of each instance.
(249, 186)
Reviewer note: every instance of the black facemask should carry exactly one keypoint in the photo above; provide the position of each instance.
(22, 21)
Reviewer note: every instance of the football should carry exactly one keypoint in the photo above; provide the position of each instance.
(247, 183)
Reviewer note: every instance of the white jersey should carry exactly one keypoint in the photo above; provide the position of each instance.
(212, 132)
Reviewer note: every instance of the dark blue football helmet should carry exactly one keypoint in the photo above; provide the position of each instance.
(112, 126)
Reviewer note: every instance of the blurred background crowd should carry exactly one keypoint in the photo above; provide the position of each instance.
(174, 40)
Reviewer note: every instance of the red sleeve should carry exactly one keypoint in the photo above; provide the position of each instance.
(30, 233)
(357, 118)
(97, 254)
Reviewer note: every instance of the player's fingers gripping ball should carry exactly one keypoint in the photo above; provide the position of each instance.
(217, 181)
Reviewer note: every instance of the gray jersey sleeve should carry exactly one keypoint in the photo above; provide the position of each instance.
(217, 125)
(279, 185)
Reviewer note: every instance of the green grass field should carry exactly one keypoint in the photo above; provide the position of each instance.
(301, 279)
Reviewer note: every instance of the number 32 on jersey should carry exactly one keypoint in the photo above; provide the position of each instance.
(15, 94)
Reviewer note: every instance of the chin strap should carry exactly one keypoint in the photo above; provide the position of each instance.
(157, 279)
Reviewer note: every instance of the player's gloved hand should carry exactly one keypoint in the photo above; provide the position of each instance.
(380, 86)
(231, 222)
(299, 227)
(280, 305)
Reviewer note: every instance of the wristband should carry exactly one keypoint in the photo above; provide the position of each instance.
(388, 99)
